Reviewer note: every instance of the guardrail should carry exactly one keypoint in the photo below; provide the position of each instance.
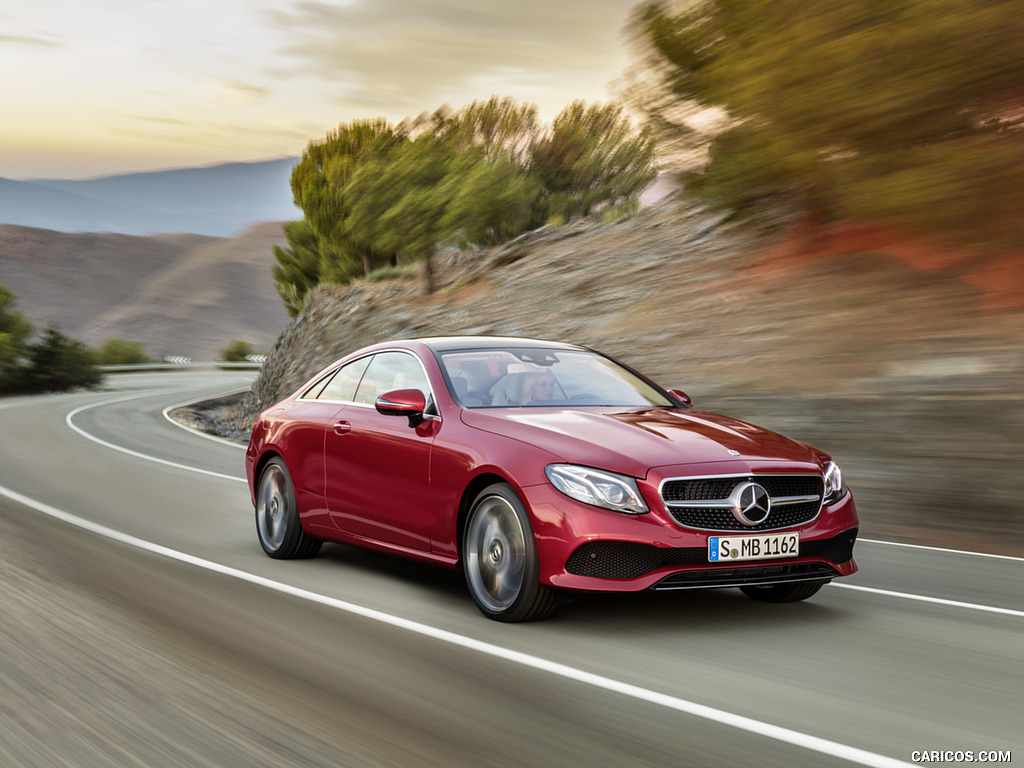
(167, 366)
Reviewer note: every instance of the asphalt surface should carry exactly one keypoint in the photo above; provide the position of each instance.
(143, 626)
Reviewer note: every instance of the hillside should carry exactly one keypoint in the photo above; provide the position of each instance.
(186, 295)
(908, 375)
(219, 200)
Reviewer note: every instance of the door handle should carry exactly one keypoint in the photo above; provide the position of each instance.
(342, 427)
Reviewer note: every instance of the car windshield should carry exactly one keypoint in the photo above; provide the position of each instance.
(518, 376)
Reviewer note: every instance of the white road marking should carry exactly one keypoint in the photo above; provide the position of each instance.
(942, 549)
(936, 600)
(778, 733)
(69, 420)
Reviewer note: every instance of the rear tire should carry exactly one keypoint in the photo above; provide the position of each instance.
(277, 515)
(499, 555)
(782, 593)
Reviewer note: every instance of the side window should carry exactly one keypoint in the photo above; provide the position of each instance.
(314, 391)
(342, 385)
(388, 371)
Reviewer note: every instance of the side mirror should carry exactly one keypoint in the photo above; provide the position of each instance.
(403, 402)
(681, 396)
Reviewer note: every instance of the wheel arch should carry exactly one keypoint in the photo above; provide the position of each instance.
(469, 494)
(261, 463)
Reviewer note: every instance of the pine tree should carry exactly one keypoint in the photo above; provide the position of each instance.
(904, 110)
(593, 156)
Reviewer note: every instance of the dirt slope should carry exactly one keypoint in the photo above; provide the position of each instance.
(185, 295)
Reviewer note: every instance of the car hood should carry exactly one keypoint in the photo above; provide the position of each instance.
(633, 441)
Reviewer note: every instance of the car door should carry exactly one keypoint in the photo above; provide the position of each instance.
(310, 419)
(378, 467)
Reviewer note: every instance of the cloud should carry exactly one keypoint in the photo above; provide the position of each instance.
(32, 40)
(257, 78)
(160, 120)
(244, 91)
(411, 55)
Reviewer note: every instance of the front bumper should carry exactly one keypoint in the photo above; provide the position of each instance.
(584, 548)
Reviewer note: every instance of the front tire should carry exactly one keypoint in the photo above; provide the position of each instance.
(783, 593)
(500, 559)
(277, 515)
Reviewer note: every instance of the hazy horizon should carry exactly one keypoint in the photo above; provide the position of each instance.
(199, 166)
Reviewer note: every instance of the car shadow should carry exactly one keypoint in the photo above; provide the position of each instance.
(636, 612)
(716, 610)
(441, 579)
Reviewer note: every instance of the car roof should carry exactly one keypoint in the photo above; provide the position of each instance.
(451, 343)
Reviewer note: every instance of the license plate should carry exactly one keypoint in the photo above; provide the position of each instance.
(766, 547)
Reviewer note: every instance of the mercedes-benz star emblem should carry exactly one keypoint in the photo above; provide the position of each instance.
(750, 503)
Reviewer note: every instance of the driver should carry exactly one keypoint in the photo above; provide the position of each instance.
(541, 388)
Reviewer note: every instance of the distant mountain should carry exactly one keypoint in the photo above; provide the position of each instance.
(186, 295)
(219, 200)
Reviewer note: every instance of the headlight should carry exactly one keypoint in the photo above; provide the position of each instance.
(594, 486)
(834, 488)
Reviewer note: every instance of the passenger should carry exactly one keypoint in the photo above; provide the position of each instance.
(541, 388)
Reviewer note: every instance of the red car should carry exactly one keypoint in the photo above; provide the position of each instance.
(541, 469)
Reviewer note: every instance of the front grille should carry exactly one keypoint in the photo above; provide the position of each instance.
(628, 560)
(712, 519)
(789, 495)
(702, 489)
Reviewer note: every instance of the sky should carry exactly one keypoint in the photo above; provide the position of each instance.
(98, 87)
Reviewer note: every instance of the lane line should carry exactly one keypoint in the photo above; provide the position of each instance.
(69, 420)
(936, 600)
(777, 733)
(943, 549)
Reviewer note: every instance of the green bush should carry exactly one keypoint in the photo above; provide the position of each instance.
(237, 352)
(57, 363)
(121, 352)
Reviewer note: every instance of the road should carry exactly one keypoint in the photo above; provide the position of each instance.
(143, 626)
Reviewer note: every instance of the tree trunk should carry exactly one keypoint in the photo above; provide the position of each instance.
(428, 273)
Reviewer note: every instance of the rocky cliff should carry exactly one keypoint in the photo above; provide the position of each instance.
(906, 375)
